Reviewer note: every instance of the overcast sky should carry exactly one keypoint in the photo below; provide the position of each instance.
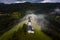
(32, 1)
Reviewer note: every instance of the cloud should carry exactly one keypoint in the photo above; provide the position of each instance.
(7, 1)
(32, 1)
(11, 1)
(50, 1)
(19, 1)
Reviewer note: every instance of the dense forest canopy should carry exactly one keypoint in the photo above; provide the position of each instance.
(10, 14)
(25, 6)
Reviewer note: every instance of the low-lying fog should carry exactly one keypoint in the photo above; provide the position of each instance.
(38, 18)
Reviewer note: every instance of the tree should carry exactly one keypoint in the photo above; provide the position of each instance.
(24, 28)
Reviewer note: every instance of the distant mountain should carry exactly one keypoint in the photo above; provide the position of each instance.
(28, 6)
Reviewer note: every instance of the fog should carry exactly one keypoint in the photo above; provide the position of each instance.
(38, 18)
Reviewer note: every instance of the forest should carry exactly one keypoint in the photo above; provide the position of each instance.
(10, 15)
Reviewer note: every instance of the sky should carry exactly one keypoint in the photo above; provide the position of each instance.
(32, 1)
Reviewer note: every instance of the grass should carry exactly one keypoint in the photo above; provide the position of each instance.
(16, 34)
(38, 35)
